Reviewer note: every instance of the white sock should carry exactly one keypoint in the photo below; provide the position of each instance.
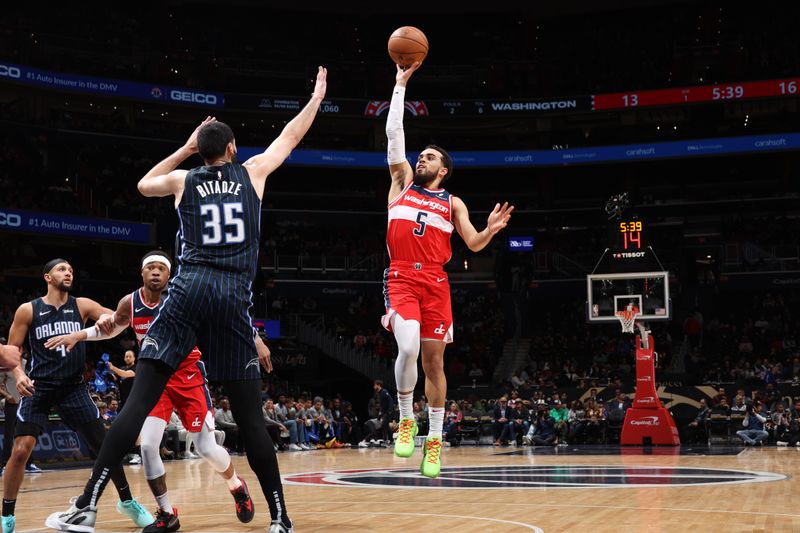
(234, 482)
(406, 403)
(163, 502)
(436, 418)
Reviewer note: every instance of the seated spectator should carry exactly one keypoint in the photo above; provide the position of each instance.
(595, 421)
(223, 418)
(113, 410)
(451, 423)
(719, 396)
(322, 426)
(351, 429)
(543, 430)
(521, 417)
(297, 428)
(753, 423)
(697, 427)
(560, 415)
(274, 425)
(792, 436)
(577, 422)
(503, 426)
(779, 422)
(421, 416)
(739, 404)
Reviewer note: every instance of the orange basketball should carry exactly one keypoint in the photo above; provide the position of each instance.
(407, 45)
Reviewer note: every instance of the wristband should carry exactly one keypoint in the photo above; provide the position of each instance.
(91, 332)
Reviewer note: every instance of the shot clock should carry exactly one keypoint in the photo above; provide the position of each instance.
(631, 231)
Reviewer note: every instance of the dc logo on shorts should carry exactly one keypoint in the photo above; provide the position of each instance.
(440, 329)
(196, 423)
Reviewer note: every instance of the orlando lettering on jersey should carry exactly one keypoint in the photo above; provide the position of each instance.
(45, 331)
(420, 225)
(49, 321)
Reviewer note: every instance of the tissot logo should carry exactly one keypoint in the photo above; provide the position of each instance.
(628, 255)
(10, 220)
(8, 71)
(193, 97)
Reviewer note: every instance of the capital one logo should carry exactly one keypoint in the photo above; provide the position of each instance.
(10, 220)
(646, 399)
(646, 421)
(646, 379)
(193, 97)
(644, 357)
(8, 71)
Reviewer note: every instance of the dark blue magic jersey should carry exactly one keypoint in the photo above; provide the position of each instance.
(50, 322)
(220, 219)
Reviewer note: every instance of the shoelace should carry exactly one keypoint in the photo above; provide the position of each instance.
(405, 431)
(432, 450)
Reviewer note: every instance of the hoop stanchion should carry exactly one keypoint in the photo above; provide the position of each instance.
(647, 420)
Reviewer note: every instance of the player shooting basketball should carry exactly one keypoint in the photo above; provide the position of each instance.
(417, 292)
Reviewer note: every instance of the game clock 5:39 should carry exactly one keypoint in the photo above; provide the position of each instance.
(631, 234)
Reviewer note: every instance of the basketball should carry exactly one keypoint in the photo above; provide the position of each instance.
(407, 44)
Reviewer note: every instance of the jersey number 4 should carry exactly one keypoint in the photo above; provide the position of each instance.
(419, 231)
(213, 224)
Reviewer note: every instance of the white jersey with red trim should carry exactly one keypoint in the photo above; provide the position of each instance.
(420, 225)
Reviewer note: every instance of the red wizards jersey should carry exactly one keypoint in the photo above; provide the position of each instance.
(142, 315)
(420, 225)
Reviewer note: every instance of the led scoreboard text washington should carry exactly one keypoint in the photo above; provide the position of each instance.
(631, 234)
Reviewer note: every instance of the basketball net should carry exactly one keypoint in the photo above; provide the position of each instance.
(627, 318)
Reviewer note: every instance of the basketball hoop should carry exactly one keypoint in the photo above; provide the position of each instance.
(627, 318)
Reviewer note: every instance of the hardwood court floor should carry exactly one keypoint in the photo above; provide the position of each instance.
(519, 489)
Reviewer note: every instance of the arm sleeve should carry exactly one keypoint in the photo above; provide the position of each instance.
(396, 148)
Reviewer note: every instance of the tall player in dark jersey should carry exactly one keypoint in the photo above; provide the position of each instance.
(208, 300)
(186, 392)
(54, 378)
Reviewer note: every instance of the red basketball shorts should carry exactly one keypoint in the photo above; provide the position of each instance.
(421, 292)
(189, 397)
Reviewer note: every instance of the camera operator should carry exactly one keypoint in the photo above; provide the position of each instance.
(792, 436)
(753, 423)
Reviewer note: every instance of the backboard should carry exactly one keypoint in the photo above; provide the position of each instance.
(612, 292)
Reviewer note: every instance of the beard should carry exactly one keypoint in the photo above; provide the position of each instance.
(63, 287)
(423, 179)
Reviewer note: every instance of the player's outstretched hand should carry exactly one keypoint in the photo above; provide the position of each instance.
(106, 323)
(191, 142)
(25, 386)
(321, 85)
(403, 74)
(69, 341)
(9, 356)
(264, 356)
(498, 218)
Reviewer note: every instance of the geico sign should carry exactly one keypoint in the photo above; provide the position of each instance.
(10, 219)
(8, 71)
(195, 98)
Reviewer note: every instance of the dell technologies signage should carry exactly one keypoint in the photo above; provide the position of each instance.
(520, 244)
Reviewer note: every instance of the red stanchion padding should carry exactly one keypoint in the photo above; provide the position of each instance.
(647, 420)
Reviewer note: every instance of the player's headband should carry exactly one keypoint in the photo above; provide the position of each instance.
(156, 258)
(52, 263)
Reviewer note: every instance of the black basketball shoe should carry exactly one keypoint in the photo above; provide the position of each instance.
(164, 523)
(245, 511)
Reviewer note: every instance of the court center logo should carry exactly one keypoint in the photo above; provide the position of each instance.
(533, 477)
